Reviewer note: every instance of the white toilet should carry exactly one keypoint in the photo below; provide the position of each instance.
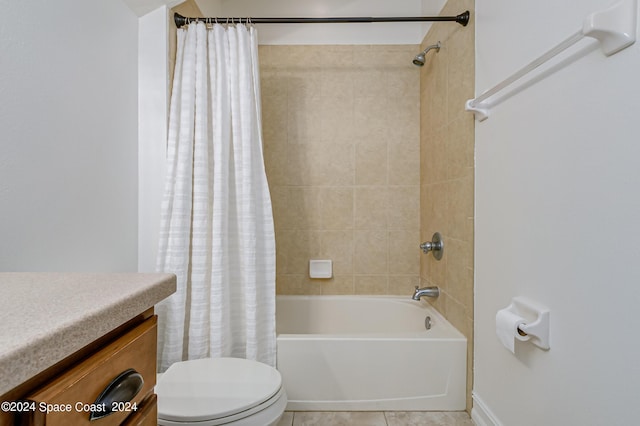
(220, 391)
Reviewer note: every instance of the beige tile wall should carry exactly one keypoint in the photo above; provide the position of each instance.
(341, 129)
(447, 170)
(366, 157)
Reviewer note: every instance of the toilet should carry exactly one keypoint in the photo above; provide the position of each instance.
(220, 391)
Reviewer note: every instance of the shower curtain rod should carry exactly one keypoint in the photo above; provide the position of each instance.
(461, 19)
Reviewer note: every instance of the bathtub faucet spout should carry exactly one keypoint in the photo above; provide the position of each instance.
(426, 291)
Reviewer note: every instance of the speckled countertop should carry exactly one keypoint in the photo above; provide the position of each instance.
(45, 317)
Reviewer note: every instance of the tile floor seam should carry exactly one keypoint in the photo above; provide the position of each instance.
(391, 418)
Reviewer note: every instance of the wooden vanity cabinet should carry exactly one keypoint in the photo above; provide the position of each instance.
(71, 387)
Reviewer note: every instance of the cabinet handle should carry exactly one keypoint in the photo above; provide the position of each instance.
(121, 389)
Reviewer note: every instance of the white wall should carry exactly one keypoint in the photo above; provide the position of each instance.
(153, 75)
(143, 7)
(68, 136)
(558, 221)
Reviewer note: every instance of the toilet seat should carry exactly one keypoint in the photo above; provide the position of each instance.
(219, 391)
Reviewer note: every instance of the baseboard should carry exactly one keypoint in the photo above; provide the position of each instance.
(481, 414)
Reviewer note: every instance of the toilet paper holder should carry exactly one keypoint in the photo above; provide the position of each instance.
(537, 320)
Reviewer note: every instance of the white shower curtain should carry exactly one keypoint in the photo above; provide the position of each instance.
(217, 231)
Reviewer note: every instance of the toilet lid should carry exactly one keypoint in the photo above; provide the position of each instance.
(207, 389)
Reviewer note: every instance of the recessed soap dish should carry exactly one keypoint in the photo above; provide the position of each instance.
(320, 269)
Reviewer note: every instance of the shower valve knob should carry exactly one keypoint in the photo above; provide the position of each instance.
(436, 245)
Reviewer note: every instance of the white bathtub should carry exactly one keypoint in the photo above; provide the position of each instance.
(359, 353)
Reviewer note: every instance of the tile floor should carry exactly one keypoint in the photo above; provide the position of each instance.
(375, 418)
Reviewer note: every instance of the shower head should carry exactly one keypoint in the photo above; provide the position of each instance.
(419, 60)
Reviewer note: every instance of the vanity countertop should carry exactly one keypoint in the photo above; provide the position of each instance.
(45, 317)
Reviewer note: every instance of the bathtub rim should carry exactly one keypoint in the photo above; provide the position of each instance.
(453, 333)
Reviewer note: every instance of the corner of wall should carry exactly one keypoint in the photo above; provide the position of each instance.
(447, 144)
(153, 100)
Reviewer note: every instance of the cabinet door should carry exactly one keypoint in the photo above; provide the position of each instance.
(70, 396)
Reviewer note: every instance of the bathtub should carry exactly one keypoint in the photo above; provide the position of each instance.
(360, 353)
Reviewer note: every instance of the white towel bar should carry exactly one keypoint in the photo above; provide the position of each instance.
(614, 28)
